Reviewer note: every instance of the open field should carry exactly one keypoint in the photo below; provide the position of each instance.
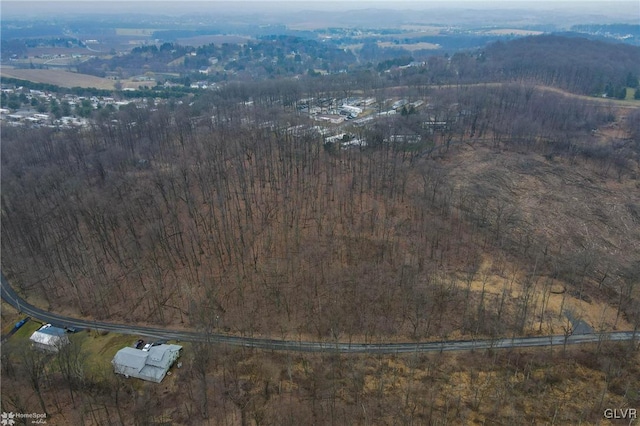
(136, 32)
(410, 46)
(423, 29)
(59, 78)
(67, 62)
(39, 51)
(69, 79)
(311, 25)
(215, 39)
(513, 31)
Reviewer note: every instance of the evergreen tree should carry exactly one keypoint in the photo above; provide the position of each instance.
(54, 108)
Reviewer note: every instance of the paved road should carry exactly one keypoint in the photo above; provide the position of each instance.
(10, 296)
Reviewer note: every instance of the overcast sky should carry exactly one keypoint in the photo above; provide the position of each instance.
(27, 8)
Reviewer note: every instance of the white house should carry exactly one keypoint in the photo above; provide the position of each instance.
(49, 338)
(151, 364)
(351, 109)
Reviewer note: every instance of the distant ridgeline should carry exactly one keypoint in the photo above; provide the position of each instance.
(572, 62)
(629, 34)
(272, 56)
(576, 64)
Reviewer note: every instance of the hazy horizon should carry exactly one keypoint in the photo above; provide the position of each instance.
(28, 8)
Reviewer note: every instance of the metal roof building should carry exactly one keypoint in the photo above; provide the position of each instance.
(49, 338)
(151, 365)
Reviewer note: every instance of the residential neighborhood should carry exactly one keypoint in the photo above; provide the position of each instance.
(38, 108)
(343, 121)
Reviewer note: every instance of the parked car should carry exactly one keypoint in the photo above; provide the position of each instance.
(147, 347)
(139, 344)
(22, 322)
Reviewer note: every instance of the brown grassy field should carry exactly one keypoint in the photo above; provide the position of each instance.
(68, 79)
(59, 78)
(410, 46)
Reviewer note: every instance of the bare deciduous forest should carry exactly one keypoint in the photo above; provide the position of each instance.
(163, 219)
(522, 204)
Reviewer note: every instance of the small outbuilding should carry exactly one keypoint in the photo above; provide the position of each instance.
(151, 364)
(49, 338)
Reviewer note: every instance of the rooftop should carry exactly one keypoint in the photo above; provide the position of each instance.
(149, 365)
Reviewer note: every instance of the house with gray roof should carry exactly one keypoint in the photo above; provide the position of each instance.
(49, 338)
(151, 365)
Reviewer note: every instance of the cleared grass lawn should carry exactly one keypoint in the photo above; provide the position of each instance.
(26, 330)
(10, 316)
(101, 348)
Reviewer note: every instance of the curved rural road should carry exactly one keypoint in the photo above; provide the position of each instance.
(11, 297)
